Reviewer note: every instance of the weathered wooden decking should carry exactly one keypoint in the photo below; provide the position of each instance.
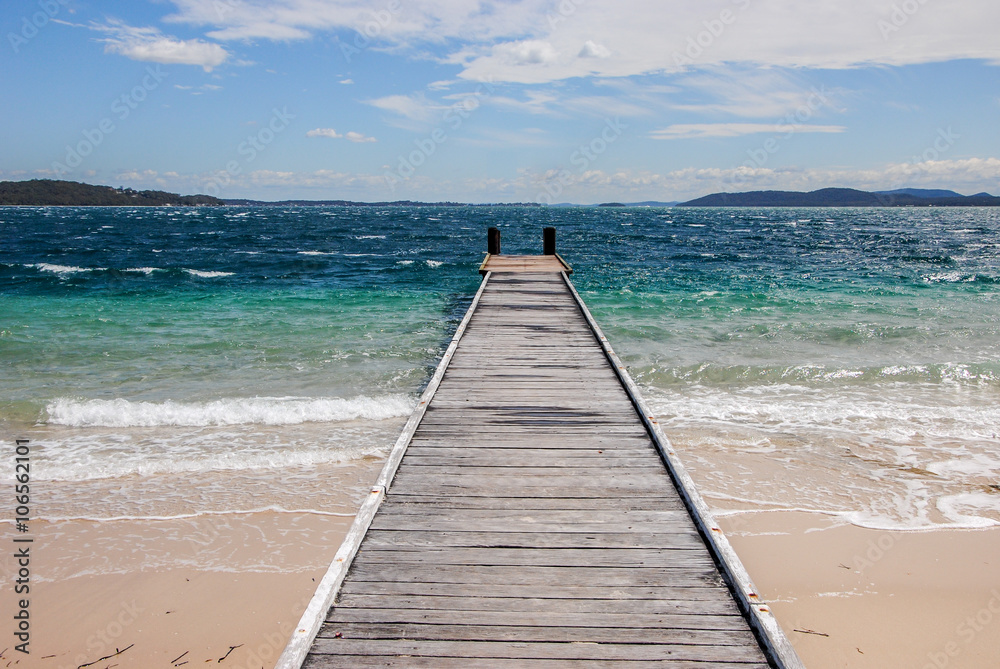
(523, 263)
(532, 521)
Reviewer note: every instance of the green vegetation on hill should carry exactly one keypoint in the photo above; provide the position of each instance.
(48, 192)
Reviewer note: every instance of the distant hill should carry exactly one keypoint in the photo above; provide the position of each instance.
(928, 193)
(838, 197)
(48, 192)
(350, 203)
(648, 203)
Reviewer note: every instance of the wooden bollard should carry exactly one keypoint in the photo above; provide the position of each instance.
(549, 241)
(493, 241)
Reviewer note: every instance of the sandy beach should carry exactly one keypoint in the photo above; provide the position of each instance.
(156, 616)
(225, 588)
(848, 596)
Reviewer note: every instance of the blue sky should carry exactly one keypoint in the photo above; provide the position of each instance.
(514, 101)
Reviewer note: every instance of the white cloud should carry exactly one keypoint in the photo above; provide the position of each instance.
(358, 138)
(703, 130)
(150, 45)
(323, 132)
(350, 135)
(651, 36)
(592, 50)
(528, 52)
(413, 107)
(346, 81)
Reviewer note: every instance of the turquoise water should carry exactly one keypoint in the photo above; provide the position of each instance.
(843, 361)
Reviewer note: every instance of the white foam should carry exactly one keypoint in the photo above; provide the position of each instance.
(142, 270)
(317, 253)
(434, 263)
(950, 277)
(235, 411)
(207, 275)
(898, 456)
(64, 269)
(969, 509)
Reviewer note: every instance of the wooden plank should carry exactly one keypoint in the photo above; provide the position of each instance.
(412, 502)
(570, 557)
(505, 520)
(611, 577)
(535, 650)
(561, 539)
(732, 622)
(364, 661)
(700, 592)
(423, 631)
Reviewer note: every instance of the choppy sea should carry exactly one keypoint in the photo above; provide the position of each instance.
(172, 362)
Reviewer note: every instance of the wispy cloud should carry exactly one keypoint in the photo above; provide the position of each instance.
(358, 138)
(703, 130)
(350, 135)
(413, 107)
(150, 45)
(324, 132)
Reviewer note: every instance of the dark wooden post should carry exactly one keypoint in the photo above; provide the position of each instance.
(549, 241)
(493, 241)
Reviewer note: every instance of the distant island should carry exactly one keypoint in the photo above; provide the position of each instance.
(846, 197)
(49, 192)
(350, 203)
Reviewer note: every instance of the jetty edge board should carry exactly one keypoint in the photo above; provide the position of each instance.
(305, 632)
(758, 613)
(769, 635)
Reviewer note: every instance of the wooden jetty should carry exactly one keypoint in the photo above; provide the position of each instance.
(532, 514)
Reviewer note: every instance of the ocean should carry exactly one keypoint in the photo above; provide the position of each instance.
(183, 364)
